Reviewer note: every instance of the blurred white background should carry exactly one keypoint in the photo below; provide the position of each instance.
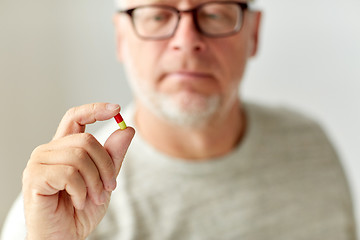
(59, 54)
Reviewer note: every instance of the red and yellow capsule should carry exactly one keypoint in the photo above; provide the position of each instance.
(120, 121)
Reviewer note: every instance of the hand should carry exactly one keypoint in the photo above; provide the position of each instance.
(67, 183)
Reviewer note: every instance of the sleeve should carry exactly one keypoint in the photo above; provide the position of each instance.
(14, 227)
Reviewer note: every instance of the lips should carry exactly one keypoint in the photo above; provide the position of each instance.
(189, 81)
(190, 75)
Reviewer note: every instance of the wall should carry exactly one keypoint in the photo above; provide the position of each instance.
(310, 59)
(58, 54)
(53, 55)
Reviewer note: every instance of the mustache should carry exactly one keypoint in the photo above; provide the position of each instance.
(190, 67)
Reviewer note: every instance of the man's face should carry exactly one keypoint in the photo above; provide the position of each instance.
(188, 78)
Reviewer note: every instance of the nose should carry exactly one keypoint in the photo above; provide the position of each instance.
(187, 37)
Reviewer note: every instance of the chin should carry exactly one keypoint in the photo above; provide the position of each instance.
(185, 108)
(188, 109)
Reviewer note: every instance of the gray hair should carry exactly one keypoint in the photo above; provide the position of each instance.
(121, 3)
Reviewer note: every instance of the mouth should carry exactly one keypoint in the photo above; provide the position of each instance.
(190, 81)
(189, 75)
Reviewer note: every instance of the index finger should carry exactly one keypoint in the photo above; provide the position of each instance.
(76, 119)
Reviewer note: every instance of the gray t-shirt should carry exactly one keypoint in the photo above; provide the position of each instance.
(283, 181)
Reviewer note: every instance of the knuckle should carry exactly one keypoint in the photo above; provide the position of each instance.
(71, 112)
(80, 154)
(88, 139)
(70, 172)
(30, 176)
(93, 107)
(26, 176)
(37, 151)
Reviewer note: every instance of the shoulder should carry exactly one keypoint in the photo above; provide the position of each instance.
(278, 115)
(302, 162)
(282, 121)
(282, 130)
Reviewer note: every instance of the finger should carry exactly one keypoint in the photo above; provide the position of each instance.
(47, 181)
(80, 160)
(75, 119)
(117, 144)
(87, 149)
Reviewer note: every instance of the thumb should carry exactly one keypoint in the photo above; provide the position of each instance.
(117, 144)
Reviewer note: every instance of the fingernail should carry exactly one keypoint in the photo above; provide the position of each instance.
(112, 107)
(112, 185)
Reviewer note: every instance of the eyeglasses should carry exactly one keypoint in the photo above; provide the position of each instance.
(212, 19)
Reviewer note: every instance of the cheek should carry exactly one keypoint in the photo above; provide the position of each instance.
(233, 59)
(239, 55)
(142, 56)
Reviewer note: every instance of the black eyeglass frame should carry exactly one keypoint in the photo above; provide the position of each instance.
(243, 6)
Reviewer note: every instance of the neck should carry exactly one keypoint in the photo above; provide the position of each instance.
(193, 144)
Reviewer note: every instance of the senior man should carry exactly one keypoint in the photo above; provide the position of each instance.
(204, 164)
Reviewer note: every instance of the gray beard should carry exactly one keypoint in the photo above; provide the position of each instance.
(194, 117)
(196, 114)
(165, 107)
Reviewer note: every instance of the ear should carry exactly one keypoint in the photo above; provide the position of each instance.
(255, 31)
(118, 36)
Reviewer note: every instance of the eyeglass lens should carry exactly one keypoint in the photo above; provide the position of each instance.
(212, 19)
